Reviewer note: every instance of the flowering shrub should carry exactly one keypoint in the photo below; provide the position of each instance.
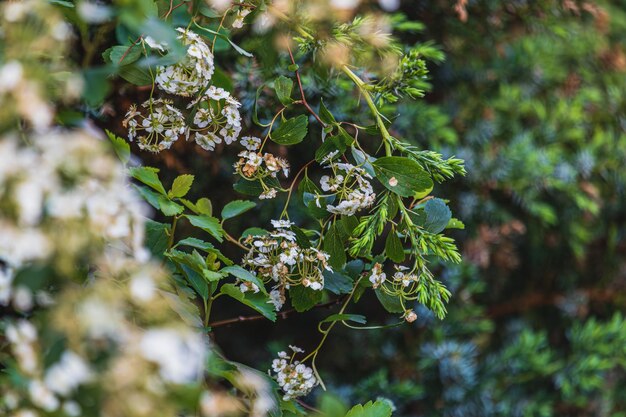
(109, 312)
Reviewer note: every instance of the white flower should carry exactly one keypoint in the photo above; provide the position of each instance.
(193, 73)
(42, 397)
(157, 126)
(208, 141)
(142, 287)
(10, 76)
(377, 278)
(66, 375)
(268, 194)
(251, 143)
(6, 280)
(277, 299)
(282, 224)
(248, 286)
(296, 349)
(293, 377)
(179, 353)
(154, 44)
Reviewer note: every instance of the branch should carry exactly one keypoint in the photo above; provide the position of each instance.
(283, 315)
(304, 102)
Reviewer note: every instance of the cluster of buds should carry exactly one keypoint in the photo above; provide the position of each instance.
(350, 186)
(277, 258)
(294, 378)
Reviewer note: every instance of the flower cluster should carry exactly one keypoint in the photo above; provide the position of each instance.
(193, 73)
(157, 125)
(294, 378)
(253, 165)
(350, 185)
(217, 117)
(214, 117)
(276, 257)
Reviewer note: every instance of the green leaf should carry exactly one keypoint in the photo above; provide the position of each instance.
(357, 318)
(333, 245)
(283, 87)
(438, 215)
(237, 207)
(120, 146)
(150, 196)
(393, 247)
(363, 160)
(326, 116)
(196, 243)
(337, 282)
(204, 206)
(148, 176)
(338, 143)
(168, 207)
(157, 237)
(244, 275)
(259, 301)
(181, 186)
(291, 131)
(254, 188)
(303, 298)
(370, 409)
(207, 223)
(455, 223)
(135, 75)
(390, 303)
(254, 231)
(196, 280)
(124, 54)
(403, 176)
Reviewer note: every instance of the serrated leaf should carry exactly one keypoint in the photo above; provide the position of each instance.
(204, 206)
(363, 160)
(357, 318)
(209, 224)
(303, 298)
(393, 247)
(402, 176)
(196, 243)
(120, 146)
(283, 87)
(237, 207)
(147, 194)
(370, 409)
(438, 215)
(254, 231)
(124, 54)
(196, 280)
(168, 207)
(181, 186)
(390, 303)
(244, 275)
(325, 114)
(333, 245)
(157, 237)
(291, 131)
(135, 75)
(455, 223)
(337, 282)
(259, 301)
(148, 176)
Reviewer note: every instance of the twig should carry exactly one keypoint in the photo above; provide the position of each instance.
(304, 102)
(283, 315)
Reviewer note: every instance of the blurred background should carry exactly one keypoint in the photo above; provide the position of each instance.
(532, 95)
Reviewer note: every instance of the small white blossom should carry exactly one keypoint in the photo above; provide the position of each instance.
(251, 143)
(293, 377)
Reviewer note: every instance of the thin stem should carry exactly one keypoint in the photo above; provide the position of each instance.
(170, 241)
(233, 240)
(293, 183)
(304, 102)
(370, 103)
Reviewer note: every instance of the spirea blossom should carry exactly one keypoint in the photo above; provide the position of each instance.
(350, 186)
(217, 119)
(156, 124)
(256, 166)
(294, 378)
(277, 258)
(193, 73)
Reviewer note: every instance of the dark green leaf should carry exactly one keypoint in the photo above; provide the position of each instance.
(237, 207)
(259, 301)
(438, 215)
(326, 116)
(168, 207)
(357, 318)
(391, 304)
(254, 188)
(393, 247)
(244, 275)
(124, 54)
(333, 245)
(196, 280)
(157, 237)
(291, 131)
(337, 282)
(283, 87)
(209, 224)
(303, 298)
(403, 176)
